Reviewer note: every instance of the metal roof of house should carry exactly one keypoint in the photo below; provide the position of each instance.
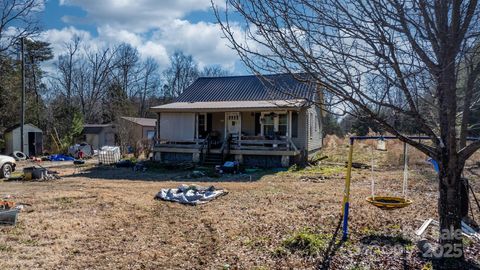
(146, 122)
(211, 106)
(253, 88)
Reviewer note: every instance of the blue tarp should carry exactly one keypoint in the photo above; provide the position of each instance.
(60, 157)
(434, 163)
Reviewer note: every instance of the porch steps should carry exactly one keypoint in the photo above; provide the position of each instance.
(212, 159)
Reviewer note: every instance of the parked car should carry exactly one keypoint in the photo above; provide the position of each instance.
(7, 166)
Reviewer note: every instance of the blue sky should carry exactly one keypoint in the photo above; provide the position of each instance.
(155, 27)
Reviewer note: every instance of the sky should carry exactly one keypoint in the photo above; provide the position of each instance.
(156, 28)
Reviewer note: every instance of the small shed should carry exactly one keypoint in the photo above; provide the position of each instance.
(139, 128)
(99, 135)
(32, 140)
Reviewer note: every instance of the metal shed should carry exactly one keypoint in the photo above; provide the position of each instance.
(32, 140)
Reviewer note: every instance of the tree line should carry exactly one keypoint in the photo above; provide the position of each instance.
(88, 85)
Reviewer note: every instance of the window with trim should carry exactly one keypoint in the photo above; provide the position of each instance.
(150, 134)
(268, 125)
(274, 124)
(282, 124)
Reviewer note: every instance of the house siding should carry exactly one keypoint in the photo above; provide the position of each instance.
(145, 131)
(248, 124)
(301, 140)
(177, 126)
(313, 129)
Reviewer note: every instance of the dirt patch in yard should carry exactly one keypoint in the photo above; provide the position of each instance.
(107, 219)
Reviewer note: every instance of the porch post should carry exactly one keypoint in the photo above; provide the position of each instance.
(195, 128)
(225, 127)
(289, 124)
(240, 129)
(158, 127)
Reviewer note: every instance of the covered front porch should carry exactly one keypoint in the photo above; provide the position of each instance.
(240, 133)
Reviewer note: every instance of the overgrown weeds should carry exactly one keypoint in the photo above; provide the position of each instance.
(307, 242)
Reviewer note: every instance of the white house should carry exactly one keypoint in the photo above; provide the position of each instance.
(272, 120)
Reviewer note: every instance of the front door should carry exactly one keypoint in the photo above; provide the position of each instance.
(234, 124)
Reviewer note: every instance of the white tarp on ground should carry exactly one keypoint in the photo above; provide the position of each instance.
(192, 195)
(177, 126)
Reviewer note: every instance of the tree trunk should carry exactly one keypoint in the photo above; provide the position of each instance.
(450, 214)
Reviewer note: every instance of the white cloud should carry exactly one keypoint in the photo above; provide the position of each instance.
(108, 37)
(136, 15)
(58, 38)
(155, 27)
(156, 51)
(202, 40)
(115, 35)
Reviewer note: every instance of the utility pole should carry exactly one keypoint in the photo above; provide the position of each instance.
(22, 119)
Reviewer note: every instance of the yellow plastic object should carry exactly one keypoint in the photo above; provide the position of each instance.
(389, 203)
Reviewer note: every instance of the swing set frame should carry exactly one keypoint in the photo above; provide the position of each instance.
(348, 178)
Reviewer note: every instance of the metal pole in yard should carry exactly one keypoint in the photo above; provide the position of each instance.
(346, 193)
(22, 119)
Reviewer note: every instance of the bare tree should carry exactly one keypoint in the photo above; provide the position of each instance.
(149, 84)
(97, 67)
(400, 55)
(126, 68)
(18, 19)
(214, 71)
(67, 63)
(182, 72)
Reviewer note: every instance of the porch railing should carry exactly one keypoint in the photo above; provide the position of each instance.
(195, 143)
(205, 144)
(268, 145)
(231, 143)
(225, 150)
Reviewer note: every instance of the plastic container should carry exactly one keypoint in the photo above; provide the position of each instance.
(109, 155)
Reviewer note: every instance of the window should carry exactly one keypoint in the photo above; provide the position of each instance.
(294, 124)
(282, 124)
(150, 134)
(274, 124)
(268, 125)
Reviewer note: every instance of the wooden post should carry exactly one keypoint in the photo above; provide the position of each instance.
(289, 123)
(289, 129)
(195, 128)
(240, 129)
(158, 127)
(225, 127)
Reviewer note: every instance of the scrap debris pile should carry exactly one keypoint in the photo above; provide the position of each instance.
(39, 174)
(9, 212)
(191, 195)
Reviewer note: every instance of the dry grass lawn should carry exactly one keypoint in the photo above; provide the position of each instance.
(106, 218)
